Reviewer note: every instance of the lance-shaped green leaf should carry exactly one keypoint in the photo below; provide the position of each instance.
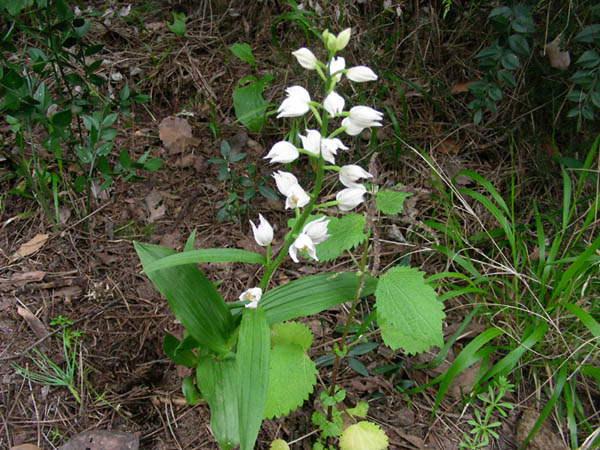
(313, 294)
(193, 299)
(217, 381)
(408, 312)
(252, 363)
(206, 255)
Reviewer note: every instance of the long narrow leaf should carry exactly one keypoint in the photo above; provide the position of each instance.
(193, 299)
(585, 318)
(217, 381)
(253, 352)
(206, 255)
(571, 273)
(312, 294)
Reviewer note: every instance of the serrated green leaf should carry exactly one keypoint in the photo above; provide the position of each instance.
(363, 436)
(291, 333)
(360, 410)
(252, 365)
(391, 202)
(408, 312)
(346, 233)
(292, 376)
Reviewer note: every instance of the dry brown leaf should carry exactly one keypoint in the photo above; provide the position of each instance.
(558, 59)
(460, 87)
(447, 147)
(171, 240)
(34, 323)
(22, 278)
(155, 205)
(31, 246)
(176, 134)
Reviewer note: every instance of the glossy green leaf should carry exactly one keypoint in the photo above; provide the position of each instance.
(205, 255)
(193, 299)
(217, 381)
(252, 365)
(313, 294)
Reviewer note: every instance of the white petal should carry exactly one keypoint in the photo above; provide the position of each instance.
(297, 198)
(311, 142)
(351, 128)
(351, 173)
(334, 103)
(285, 181)
(317, 230)
(251, 295)
(305, 244)
(283, 152)
(361, 74)
(296, 103)
(337, 64)
(263, 234)
(350, 197)
(306, 58)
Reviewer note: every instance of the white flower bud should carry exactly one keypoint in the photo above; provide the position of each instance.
(317, 230)
(350, 198)
(295, 104)
(283, 152)
(361, 74)
(263, 234)
(306, 58)
(351, 173)
(334, 103)
(342, 39)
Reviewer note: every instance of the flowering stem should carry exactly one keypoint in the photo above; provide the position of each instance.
(336, 132)
(297, 227)
(359, 286)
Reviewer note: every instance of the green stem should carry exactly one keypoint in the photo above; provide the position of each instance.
(359, 286)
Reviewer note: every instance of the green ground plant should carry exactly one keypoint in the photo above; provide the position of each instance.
(537, 271)
(250, 355)
(50, 374)
(54, 86)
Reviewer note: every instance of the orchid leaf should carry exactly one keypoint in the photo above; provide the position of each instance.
(252, 364)
(171, 348)
(313, 294)
(408, 312)
(217, 381)
(193, 299)
(292, 377)
(205, 255)
(191, 394)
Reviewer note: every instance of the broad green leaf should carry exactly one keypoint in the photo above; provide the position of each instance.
(193, 299)
(346, 233)
(292, 376)
(178, 25)
(291, 333)
(252, 361)
(171, 348)
(391, 202)
(363, 435)
(249, 103)
(243, 52)
(217, 381)
(205, 255)
(313, 294)
(191, 394)
(360, 410)
(408, 312)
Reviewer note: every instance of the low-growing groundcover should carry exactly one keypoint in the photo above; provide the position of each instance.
(494, 245)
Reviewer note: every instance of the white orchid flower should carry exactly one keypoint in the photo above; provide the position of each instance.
(329, 148)
(361, 117)
(285, 181)
(351, 197)
(337, 64)
(263, 233)
(317, 230)
(342, 39)
(303, 243)
(351, 173)
(295, 104)
(297, 198)
(305, 58)
(334, 103)
(283, 152)
(361, 74)
(251, 295)
(311, 142)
